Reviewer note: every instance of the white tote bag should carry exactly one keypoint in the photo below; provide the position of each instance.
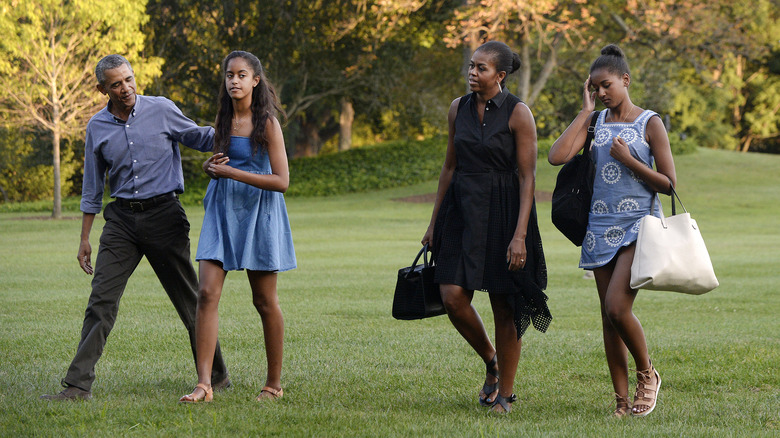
(671, 255)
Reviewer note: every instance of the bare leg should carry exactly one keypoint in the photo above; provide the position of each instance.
(615, 349)
(507, 345)
(266, 302)
(622, 330)
(212, 278)
(466, 320)
(619, 303)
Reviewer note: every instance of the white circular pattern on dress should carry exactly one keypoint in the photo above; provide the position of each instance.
(628, 204)
(629, 135)
(602, 137)
(633, 176)
(590, 241)
(614, 236)
(635, 228)
(610, 173)
(600, 207)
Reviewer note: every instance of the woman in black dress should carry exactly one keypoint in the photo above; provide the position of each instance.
(483, 230)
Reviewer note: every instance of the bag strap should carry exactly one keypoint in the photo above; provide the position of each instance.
(591, 133)
(424, 253)
(675, 195)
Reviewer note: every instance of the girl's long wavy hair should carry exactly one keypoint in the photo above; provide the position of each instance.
(265, 104)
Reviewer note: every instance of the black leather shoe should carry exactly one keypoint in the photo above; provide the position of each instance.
(69, 393)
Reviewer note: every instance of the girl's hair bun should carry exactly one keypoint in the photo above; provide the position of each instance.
(613, 50)
(613, 59)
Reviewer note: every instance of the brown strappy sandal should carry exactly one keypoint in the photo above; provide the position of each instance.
(208, 395)
(648, 382)
(623, 406)
(269, 393)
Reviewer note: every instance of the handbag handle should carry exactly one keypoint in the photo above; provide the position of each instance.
(675, 195)
(423, 252)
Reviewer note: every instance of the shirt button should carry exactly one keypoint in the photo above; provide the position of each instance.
(136, 191)
(487, 109)
(131, 142)
(135, 161)
(127, 126)
(136, 177)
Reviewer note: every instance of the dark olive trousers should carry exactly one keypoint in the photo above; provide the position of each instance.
(161, 233)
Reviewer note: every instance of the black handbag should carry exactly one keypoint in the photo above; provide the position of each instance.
(573, 192)
(416, 295)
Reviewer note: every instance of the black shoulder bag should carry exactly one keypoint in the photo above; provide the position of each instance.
(573, 192)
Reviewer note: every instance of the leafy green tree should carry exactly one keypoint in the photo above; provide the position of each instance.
(322, 56)
(537, 28)
(48, 51)
(720, 52)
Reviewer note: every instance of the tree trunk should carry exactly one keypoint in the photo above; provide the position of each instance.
(525, 69)
(549, 66)
(56, 137)
(746, 143)
(345, 124)
(468, 48)
(57, 210)
(309, 143)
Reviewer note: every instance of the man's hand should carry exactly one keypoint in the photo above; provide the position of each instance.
(85, 254)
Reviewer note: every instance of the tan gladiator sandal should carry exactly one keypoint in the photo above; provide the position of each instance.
(623, 406)
(648, 382)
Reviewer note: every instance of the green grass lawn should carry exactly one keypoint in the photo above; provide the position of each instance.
(352, 370)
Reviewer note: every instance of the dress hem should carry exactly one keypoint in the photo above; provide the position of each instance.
(242, 268)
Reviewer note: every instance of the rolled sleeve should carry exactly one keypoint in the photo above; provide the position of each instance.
(94, 177)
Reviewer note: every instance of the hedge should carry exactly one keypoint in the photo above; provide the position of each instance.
(391, 164)
(385, 165)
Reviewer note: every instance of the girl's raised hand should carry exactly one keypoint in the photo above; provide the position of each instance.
(588, 97)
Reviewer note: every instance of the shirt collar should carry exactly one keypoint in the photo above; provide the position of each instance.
(137, 107)
(500, 97)
(496, 101)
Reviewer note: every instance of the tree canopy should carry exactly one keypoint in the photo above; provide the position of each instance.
(48, 52)
(353, 72)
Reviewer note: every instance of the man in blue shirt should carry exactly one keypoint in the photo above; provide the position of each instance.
(135, 139)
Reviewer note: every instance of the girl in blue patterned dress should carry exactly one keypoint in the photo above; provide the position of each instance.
(627, 142)
(245, 224)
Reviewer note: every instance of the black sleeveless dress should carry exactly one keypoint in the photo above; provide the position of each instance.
(478, 215)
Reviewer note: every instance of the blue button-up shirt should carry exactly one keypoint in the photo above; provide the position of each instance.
(141, 155)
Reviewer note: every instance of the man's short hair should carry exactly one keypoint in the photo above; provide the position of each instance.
(107, 63)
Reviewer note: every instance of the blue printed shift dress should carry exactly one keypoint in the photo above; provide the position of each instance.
(246, 227)
(620, 199)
